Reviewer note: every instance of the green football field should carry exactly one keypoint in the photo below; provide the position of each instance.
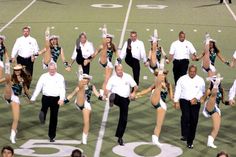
(67, 18)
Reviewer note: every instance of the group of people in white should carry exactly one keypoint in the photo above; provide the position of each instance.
(118, 88)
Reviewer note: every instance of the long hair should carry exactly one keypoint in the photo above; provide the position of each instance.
(214, 46)
(112, 45)
(25, 76)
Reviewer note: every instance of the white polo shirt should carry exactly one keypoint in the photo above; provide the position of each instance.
(188, 88)
(232, 91)
(121, 85)
(25, 47)
(87, 50)
(181, 50)
(50, 86)
(137, 50)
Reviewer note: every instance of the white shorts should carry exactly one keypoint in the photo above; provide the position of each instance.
(234, 56)
(87, 105)
(15, 98)
(212, 68)
(109, 64)
(151, 69)
(1, 64)
(206, 113)
(46, 66)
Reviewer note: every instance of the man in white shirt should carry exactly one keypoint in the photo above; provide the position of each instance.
(25, 48)
(83, 53)
(180, 51)
(133, 51)
(120, 85)
(233, 63)
(189, 89)
(232, 93)
(53, 88)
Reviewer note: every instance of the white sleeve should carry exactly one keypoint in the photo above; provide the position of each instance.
(202, 90)
(62, 88)
(123, 51)
(172, 49)
(143, 52)
(232, 91)
(191, 48)
(36, 47)
(91, 49)
(38, 88)
(177, 90)
(131, 81)
(234, 56)
(15, 49)
(74, 54)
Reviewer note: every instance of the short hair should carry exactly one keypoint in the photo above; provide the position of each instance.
(222, 153)
(26, 27)
(52, 64)
(133, 32)
(192, 66)
(118, 65)
(76, 153)
(181, 32)
(8, 148)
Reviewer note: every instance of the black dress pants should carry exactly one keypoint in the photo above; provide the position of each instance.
(180, 68)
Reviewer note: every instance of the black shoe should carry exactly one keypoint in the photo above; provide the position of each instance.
(111, 99)
(183, 138)
(52, 140)
(120, 141)
(41, 117)
(190, 146)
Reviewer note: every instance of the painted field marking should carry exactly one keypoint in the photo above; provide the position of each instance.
(230, 10)
(14, 18)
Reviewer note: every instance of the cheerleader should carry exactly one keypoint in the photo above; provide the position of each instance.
(160, 90)
(52, 50)
(3, 52)
(13, 89)
(209, 56)
(214, 94)
(84, 91)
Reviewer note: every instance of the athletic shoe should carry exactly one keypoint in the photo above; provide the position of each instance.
(155, 140)
(84, 138)
(104, 31)
(47, 33)
(162, 66)
(80, 73)
(207, 38)
(7, 68)
(13, 136)
(210, 142)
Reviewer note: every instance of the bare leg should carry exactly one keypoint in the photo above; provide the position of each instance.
(47, 55)
(108, 72)
(86, 120)
(216, 120)
(80, 94)
(1, 72)
(155, 98)
(159, 120)
(153, 59)
(212, 100)
(103, 57)
(15, 114)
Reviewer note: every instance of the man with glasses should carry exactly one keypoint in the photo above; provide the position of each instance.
(133, 51)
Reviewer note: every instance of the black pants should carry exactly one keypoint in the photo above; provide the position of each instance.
(221, 1)
(29, 65)
(52, 103)
(134, 64)
(189, 119)
(180, 68)
(80, 60)
(123, 103)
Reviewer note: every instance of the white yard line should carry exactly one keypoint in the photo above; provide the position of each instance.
(106, 110)
(125, 25)
(14, 18)
(230, 10)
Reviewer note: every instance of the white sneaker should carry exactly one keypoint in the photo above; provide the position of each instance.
(13, 136)
(47, 33)
(155, 140)
(84, 138)
(210, 142)
(104, 31)
(7, 67)
(207, 38)
(162, 66)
